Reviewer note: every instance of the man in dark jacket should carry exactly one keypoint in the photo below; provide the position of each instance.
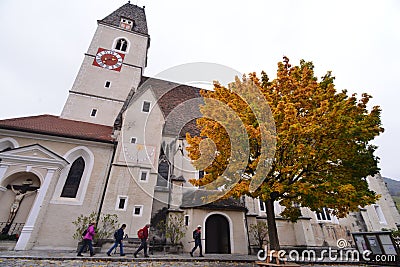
(119, 235)
(197, 241)
(143, 240)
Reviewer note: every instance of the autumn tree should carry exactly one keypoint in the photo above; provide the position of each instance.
(295, 140)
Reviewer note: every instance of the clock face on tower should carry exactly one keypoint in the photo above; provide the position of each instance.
(108, 59)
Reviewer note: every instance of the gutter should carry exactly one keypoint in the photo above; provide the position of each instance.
(106, 184)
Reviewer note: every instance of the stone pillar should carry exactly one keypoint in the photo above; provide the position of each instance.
(3, 169)
(26, 233)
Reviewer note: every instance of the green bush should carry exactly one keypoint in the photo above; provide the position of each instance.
(105, 227)
(174, 229)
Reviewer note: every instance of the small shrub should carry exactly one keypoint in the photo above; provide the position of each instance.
(104, 229)
(259, 232)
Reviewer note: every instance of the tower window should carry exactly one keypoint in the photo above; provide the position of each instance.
(126, 24)
(143, 175)
(133, 140)
(146, 106)
(107, 84)
(121, 203)
(93, 113)
(137, 210)
(121, 45)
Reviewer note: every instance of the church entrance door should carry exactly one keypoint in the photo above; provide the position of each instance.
(217, 235)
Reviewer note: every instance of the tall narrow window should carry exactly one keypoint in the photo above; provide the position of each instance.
(324, 215)
(163, 171)
(146, 106)
(379, 213)
(93, 113)
(262, 205)
(71, 185)
(121, 45)
(186, 220)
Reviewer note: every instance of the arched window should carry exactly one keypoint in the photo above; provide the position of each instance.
(71, 185)
(163, 170)
(7, 144)
(121, 45)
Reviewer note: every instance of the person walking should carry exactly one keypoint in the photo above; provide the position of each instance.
(197, 241)
(118, 235)
(143, 234)
(87, 239)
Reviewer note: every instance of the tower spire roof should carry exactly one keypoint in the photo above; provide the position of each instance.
(128, 11)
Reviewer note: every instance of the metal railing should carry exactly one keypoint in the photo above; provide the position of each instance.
(15, 228)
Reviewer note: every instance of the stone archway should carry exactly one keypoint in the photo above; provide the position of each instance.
(18, 198)
(217, 234)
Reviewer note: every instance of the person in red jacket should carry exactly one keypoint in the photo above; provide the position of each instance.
(88, 238)
(143, 234)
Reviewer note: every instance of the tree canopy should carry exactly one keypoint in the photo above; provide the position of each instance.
(312, 142)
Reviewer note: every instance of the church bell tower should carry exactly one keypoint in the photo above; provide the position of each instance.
(111, 69)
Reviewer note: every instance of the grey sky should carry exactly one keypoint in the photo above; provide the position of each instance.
(43, 42)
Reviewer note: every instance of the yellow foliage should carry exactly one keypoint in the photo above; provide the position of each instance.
(320, 136)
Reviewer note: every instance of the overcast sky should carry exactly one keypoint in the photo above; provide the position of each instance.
(42, 46)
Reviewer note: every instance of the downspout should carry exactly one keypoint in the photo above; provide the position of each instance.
(115, 143)
(247, 227)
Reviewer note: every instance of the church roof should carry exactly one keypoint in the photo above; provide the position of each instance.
(131, 12)
(54, 125)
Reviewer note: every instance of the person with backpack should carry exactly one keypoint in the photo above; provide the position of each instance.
(197, 241)
(143, 234)
(118, 236)
(88, 239)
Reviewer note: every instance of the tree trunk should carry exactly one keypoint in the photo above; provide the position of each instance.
(272, 230)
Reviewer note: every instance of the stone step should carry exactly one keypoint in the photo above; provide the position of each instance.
(7, 245)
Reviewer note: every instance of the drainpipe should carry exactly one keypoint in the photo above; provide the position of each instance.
(106, 184)
(247, 227)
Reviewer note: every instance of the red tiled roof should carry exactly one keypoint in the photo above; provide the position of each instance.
(54, 125)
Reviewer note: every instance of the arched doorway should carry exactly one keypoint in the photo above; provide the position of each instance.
(21, 190)
(217, 235)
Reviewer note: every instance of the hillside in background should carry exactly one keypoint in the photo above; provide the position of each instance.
(394, 190)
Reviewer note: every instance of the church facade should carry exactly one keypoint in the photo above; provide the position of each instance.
(118, 147)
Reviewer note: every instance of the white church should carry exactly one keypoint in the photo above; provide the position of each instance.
(118, 147)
